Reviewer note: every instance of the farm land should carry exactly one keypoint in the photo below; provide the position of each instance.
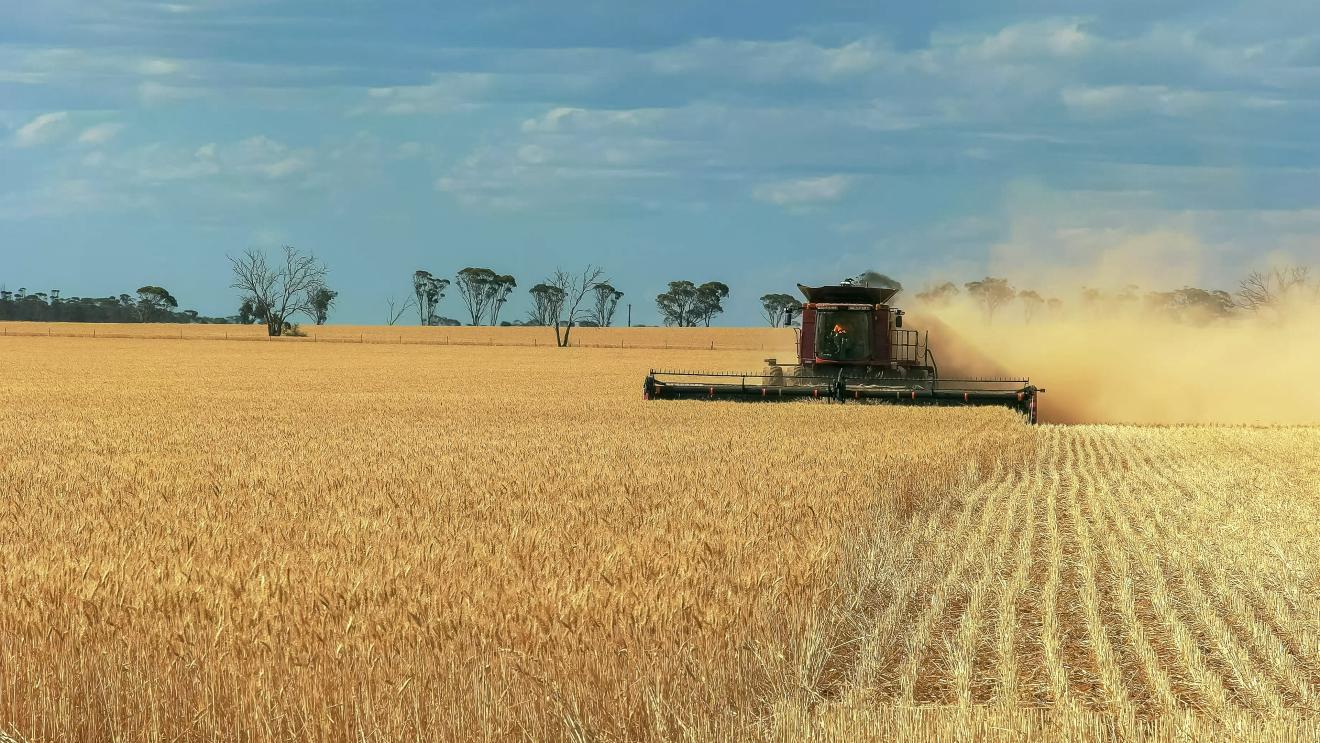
(387, 540)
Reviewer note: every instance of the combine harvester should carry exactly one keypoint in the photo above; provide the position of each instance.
(851, 346)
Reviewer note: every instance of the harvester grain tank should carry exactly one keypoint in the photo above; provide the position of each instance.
(851, 346)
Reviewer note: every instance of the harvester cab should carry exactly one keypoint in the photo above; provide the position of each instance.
(851, 346)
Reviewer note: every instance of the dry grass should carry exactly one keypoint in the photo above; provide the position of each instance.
(218, 541)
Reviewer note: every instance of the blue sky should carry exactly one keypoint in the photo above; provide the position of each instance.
(757, 143)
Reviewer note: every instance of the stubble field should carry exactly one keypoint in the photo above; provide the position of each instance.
(210, 540)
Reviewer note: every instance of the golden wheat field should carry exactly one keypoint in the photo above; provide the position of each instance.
(211, 540)
(712, 339)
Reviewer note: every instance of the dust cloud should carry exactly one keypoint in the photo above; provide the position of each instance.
(1137, 365)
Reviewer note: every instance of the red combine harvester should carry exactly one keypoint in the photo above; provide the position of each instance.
(851, 346)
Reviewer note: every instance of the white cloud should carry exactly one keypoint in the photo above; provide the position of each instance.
(804, 191)
(1034, 40)
(100, 133)
(153, 93)
(1119, 100)
(549, 121)
(42, 129)
(572, 154)
(283, 168)
(158, 67)
(533, 154)
(771, 61)
(563, 119)
(256, 158)
(445, 93)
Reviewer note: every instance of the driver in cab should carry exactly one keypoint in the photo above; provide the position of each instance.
(838, 343)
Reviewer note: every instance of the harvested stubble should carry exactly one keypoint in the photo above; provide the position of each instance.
(1115, 583)
(268, 541)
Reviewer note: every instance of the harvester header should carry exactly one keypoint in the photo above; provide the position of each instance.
(851, 346)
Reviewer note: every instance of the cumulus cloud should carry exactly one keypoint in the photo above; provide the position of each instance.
(41, 129)
(1053, 38)
(100, 133)
(804, 191)
(255, 173)
(968, 102)
(577, 154)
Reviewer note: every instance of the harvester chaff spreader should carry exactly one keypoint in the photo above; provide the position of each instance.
(851, 346)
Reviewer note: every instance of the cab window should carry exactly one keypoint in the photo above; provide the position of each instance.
(843, 335)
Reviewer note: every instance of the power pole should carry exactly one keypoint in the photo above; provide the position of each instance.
(630, 315)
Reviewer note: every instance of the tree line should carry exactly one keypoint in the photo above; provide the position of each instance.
(484, 292)
(1273, 290)
(564, 300)
(276, 292)
(148, 304)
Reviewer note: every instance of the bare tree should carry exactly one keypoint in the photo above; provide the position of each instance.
(394, 310)
(1263, 290)
(575, 287)
(282, 290)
